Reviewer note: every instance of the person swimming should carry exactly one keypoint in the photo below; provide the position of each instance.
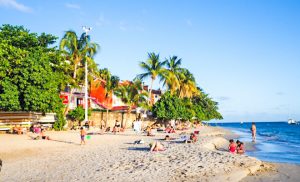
(232, 146)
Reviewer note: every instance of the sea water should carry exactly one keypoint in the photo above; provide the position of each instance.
(275, 141)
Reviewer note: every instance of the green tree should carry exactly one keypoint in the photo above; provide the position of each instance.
(132, 95)
(205, 108)
(30, 71)
(111, 84)
(77, 115)
(77, 50)
(188, 86)
(178, 80)
(168, 107)
(153, 68)
(171, 75)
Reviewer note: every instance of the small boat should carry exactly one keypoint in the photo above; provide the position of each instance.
(291, 121)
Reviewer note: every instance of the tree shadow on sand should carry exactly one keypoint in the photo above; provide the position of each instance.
(138, 148)
(62, 141)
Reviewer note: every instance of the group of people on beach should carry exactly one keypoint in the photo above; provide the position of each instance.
(237, 147)
(39, 132)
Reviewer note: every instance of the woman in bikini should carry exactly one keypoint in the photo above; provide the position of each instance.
(240, 147)
(232, 146)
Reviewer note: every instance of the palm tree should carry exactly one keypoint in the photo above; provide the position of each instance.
(188, 87)
(171, 74)
(153, 68)
(111, 84)
(77, 51)
(132, 95)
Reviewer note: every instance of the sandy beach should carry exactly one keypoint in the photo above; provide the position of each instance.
(111, 157)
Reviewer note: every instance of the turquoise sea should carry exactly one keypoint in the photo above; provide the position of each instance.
(276, 141)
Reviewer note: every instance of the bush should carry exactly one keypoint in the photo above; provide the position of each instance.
(60, 122)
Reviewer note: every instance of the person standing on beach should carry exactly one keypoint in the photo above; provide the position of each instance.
(253, 131)
(82, 136)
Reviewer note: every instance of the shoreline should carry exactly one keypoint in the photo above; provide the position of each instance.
(115, 158)
(269, 171)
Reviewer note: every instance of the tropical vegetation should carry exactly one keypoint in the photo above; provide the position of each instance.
(132, 94)
(33, 72)
(111, 83)
(183, 99)
(78, 50)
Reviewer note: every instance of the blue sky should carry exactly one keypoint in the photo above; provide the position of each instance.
(244, 53)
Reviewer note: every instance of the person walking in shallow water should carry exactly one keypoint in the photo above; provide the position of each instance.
(253, 131)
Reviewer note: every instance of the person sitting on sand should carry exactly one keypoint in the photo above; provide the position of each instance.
(170, 129)
(149, 131)
(240, 149)
(82, 136)
(193, 138)
(37, 130)
(168, 138)
(232, 146)
(117, 126)
(43, 134)
(107, 129)
(156, 146)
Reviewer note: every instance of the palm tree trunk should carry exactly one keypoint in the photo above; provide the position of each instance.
(106, 118)
(75, 70)
(150, 91)
(71, 92)
(128, 117)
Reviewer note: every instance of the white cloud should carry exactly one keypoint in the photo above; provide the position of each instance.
(15, 5)
(72, 6)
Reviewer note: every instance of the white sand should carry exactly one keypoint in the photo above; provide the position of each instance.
(115, 158)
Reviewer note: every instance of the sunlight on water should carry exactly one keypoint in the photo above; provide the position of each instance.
(276, 141)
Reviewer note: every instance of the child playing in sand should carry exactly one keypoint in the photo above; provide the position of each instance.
(232, 146)
(82, 135)
(44, 136)
(240, 147)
